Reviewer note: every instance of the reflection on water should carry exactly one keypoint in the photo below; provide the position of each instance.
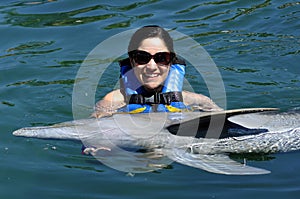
(53, 19)
(88, 168)
(240, 70)
(263, 83)
(73, 18)
(31, 48)
(30, 45)
(67, 63)
(285, 5)
(247, 11)
(238, 12)
(8, 103)
(43, 83)
(191, 8)
(127, 23)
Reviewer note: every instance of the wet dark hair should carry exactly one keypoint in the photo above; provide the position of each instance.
(150, 32)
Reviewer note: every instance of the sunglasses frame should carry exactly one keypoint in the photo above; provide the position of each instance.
(134, 55)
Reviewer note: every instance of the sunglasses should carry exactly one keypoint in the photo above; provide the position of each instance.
(142, 57)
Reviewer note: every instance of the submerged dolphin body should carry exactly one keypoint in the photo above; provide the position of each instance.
(151, 132)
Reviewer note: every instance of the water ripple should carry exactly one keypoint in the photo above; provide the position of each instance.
(187, 10)
(127, 23)
(54, 19)
(75, 17)
(247, 11)
(43, 83)
(286, 5)
(31, 48)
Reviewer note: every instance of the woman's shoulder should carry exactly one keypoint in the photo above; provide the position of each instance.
(114, 96)
(109, 104)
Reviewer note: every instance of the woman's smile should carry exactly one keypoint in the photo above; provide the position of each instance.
(150, 76)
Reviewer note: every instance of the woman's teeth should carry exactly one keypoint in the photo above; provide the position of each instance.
(151, 75)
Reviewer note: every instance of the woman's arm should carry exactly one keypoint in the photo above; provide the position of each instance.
(109, 104)
(199, 102)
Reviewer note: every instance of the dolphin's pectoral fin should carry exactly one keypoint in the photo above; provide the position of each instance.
(217, 163)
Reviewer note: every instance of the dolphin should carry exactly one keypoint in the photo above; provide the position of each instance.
(137, 143)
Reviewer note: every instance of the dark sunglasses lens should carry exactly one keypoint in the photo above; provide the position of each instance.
(162, 58)
(142, 57)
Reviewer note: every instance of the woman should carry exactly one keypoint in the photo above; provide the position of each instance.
(151, 79)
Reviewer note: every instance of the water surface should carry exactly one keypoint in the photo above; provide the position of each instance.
(255, 45)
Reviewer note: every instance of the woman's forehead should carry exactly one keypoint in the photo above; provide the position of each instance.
(154, 44)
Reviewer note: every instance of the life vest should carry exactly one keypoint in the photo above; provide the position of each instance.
(139, 101)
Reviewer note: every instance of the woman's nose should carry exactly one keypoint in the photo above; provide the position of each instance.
(151, 64)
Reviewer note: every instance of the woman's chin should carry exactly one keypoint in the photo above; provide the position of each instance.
(151, 85)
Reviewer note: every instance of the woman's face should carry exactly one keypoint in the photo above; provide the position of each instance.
(151, 74)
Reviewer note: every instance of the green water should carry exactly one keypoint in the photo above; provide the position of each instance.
(255, 45)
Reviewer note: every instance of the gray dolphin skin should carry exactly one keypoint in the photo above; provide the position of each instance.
(149, 141)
